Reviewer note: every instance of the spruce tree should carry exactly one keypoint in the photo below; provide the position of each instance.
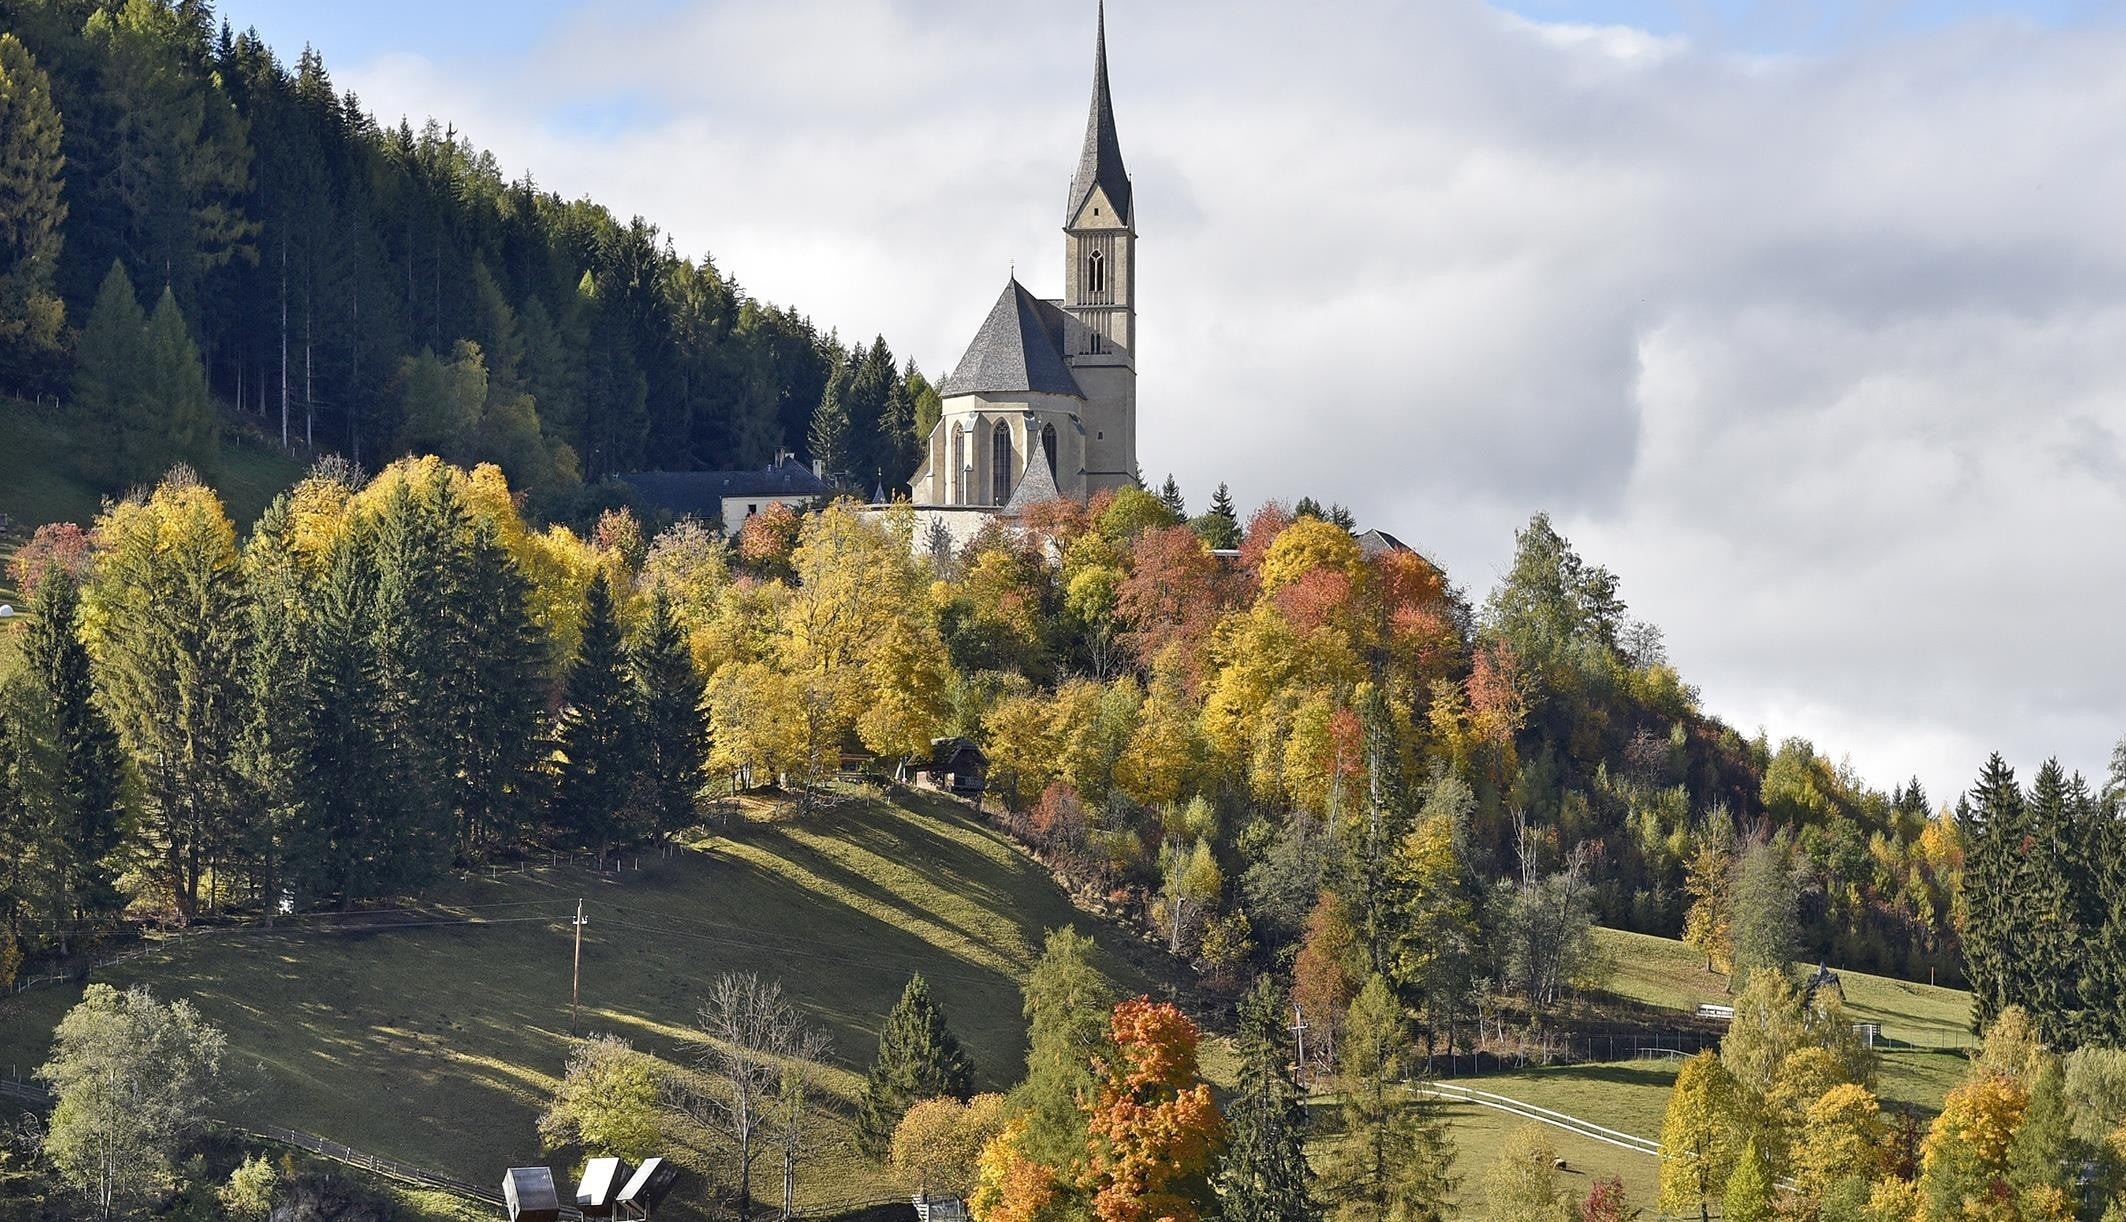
(420, 676)
(2042, 1159)
(337, 847)
(918, 1058)
(69, 767)
(1219, 527)
(675, 734)
(110, 385)
(832, 437)
(276, 738)
(182, 425)
(1991, 819)
(600, 731)
(1170, 496)
(503, 740)
(1263, 1175)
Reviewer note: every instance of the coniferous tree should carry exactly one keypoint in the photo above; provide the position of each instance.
(338, 845)
(420, 674)
(503, 741)
(833, 438)
(1219, 526)
(1263, 1176)
(918, 1058)
(1993, 827)
(1067, 1006)
(1170, 496)
(675, 733)
(1393, 1159)
(276, 743)
(110, 385)
(183, 425)
(32, 216)
(69, 768)
(600, 730)
(1765, 923)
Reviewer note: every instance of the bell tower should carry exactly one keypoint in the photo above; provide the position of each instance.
(1100, 287)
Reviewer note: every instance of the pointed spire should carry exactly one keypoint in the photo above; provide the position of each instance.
(1100, 162)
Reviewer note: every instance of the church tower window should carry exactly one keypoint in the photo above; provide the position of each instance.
(1000, 464)
(1096, 273)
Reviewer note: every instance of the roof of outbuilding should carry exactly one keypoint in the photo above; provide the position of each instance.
(1019, 348)
(1100, 161)
(702, 492)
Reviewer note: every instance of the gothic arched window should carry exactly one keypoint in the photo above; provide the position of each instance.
(957, 493)
(1096, 273)
(1000, 464)
(1048, 447)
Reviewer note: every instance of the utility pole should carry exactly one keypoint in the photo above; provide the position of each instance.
(1299, 1033)
(575, 986)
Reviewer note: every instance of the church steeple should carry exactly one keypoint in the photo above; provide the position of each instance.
(1100, 162)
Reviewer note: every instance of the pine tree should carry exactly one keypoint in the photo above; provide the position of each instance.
(918, 1058)
(1067, 1006)
(1170, 496)
(503, 740)
(1393, 1158)
(69, 767)
(110, 385)
(184, 426)
(32, 217)
(1263, 1176)
(1219, 527)
(600, 730)
(674, 732)
(2050, 929)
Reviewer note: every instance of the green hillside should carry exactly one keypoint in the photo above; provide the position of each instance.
(437, 1043)
(40, 480)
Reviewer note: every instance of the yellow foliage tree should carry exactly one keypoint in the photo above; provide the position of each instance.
(1842, 1134)
(1963, 1163)
(937, 1146)
(1698, 1147)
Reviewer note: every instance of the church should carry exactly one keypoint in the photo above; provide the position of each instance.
(1044, 403)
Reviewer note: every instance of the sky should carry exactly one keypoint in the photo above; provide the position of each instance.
(1807, 319)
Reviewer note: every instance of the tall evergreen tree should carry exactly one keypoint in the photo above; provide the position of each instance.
(69, 767)
(1765, 928)
(420, 673)
(110, 385)
(275, 750)
(1263, 1175)
(167, 607)
(675, 733)
(1067, 1006)
(503, 740)
(339, 847)
(32, 214)
(181, 424)
(600, 730)
(833, 437)
(918, 1058)
(1219, 526)
(1993, 828)
(1170, 496)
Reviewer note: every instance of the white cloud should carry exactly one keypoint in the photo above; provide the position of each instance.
(1826, 356)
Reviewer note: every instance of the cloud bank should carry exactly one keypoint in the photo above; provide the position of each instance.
(1825, 355)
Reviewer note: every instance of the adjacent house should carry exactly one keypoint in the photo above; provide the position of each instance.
(730, 497)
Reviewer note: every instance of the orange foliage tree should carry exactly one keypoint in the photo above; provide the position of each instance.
(1154, 1131)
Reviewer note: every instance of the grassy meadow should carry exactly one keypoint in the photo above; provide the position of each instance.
(438, 1043)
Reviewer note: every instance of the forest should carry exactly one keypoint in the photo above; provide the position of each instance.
(367, 289)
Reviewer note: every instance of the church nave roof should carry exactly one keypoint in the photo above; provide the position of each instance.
(1019, 348)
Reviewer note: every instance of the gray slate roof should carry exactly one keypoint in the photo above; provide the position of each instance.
(701, 493)
(1020, 347)
(1036, 483)
(1100, 162)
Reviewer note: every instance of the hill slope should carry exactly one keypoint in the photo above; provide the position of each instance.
(437, 1043)
(40, 482)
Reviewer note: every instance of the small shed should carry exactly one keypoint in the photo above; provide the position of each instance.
(941, 1209)
(956, 766)
(529, 1193)
(596, 1192)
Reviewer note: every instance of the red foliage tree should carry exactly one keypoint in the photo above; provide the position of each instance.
(55, 543)
(1171, 595)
